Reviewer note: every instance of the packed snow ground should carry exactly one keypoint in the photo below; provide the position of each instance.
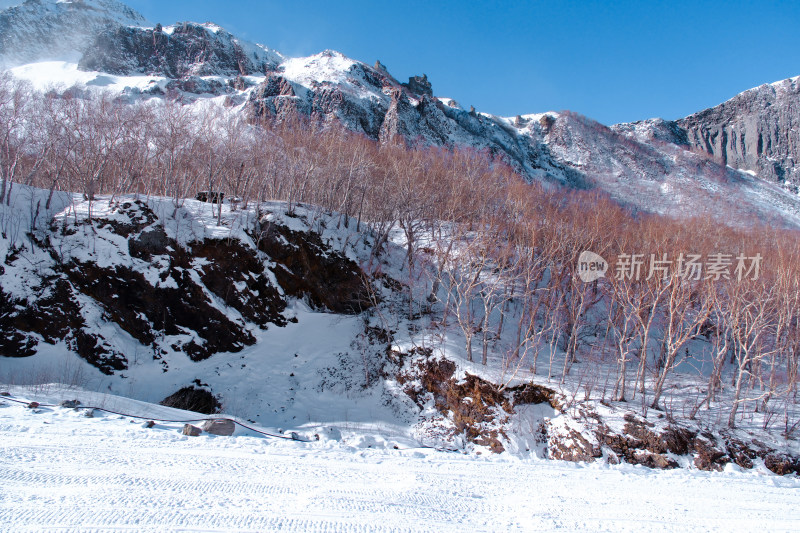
(62, 471)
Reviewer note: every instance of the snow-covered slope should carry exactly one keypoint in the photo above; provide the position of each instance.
(149, 297)
(289, 316)
(62, 470)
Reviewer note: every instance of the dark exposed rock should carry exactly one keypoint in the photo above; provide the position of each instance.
(230, 263)
(176, 303)
(143, 310)
(419, 85)
(312, 270)
(33, 405)
(472, 404)
(148, 243)
(275, 85)
(531, 393)
(194, 284)
(70, 404)
(54, 317)
(673, 439)
(193, 399)
(740, 453)
(189, 50)
(642, 443)
(197, 85)
(652, 460)
(782, 464)
(708, 456)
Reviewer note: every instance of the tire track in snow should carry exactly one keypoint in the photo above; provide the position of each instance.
(106, 474)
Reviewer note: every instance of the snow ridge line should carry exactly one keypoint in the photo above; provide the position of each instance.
(186, 421)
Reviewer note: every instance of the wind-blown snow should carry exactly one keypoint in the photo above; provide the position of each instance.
(64, 74)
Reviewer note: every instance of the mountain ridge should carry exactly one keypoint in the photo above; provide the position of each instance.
(677, 167)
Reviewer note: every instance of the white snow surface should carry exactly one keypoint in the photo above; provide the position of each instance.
(62, 471)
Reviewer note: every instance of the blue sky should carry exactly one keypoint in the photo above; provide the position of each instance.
(612, 61)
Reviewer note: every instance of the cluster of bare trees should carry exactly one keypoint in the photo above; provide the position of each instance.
(496, 257)
(513, 285)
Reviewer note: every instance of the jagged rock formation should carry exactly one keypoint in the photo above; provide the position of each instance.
(370, 101)
(186, 49)
(419, 85)
(757, 130)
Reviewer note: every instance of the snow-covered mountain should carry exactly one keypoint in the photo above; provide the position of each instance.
(678, 168)
(755, 131)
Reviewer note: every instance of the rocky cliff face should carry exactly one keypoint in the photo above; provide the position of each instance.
(175, 52)
(757, 130)
(371, 101)
(145, 283)
(652, 165)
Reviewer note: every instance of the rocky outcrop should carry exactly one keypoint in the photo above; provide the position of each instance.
(188, 49)
(135, 283)
(475, 409)
(419, 85)
(658, 445)
(194, 399)
(756, 130)
(325, 278)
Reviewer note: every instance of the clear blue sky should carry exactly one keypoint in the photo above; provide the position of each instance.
(612, 61)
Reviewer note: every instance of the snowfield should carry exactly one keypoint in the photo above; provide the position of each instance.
(62, 471)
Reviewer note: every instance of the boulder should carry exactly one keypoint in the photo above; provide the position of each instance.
(192, 431)
(219, 426)
(70, 404)
(33, 405)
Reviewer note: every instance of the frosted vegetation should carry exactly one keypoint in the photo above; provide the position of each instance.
(488, 259)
